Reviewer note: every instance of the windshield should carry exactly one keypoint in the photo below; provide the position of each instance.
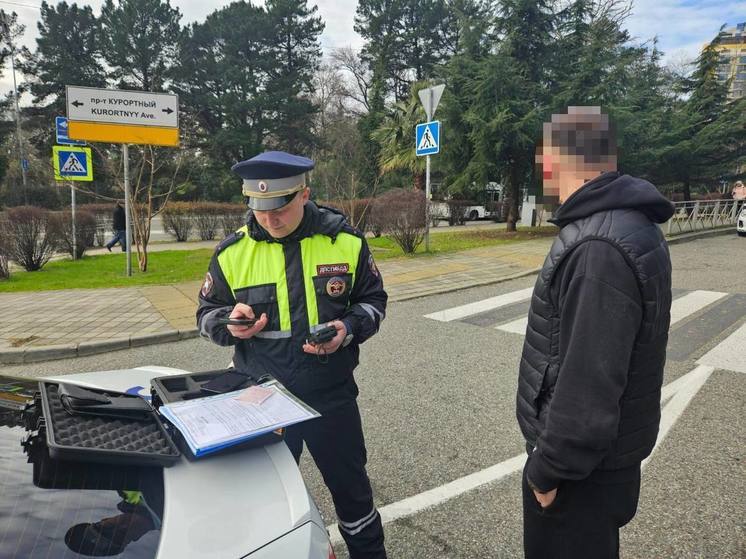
(59, 509)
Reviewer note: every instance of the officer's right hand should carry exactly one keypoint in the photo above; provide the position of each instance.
(246, 332)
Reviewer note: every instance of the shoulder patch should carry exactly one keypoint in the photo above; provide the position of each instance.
(229, 240)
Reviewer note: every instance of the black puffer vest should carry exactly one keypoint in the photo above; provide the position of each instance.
(632, 231)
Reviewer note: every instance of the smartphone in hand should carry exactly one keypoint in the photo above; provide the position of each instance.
(237, 321)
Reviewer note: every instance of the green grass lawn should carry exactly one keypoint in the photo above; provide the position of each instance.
(171, 266)
(175, 266)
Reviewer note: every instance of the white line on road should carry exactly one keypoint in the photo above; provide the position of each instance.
(516, 327)
(463, 311)
(691, 303)
(729, 354)
(680, 309)
(680, 392)
(687, 390)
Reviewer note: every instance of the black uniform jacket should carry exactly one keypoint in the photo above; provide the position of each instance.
(325, 382)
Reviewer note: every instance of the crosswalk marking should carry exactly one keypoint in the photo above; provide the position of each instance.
(680, 309)
(463, 311)
(730, 354)
(692, 302)
(516, 327)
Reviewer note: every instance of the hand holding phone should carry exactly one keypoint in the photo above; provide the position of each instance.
(243, 323)
(237, 321)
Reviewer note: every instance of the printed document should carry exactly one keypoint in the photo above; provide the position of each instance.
(216, 422)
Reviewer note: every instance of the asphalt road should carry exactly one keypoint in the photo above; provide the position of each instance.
(438, 405)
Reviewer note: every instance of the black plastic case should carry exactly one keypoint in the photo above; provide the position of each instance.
(165, 390)
(103, 439)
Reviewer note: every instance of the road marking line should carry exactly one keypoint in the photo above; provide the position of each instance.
(680, 309)
(729, 354)
(439, 495)
(691, 303)
(516, 327)
(456, 313)
(680, 392)
(686, 391)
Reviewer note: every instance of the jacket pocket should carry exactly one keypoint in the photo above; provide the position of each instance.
(332, 295)
(262, 299)
(546, 387)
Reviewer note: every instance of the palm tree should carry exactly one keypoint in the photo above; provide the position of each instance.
(396, 138)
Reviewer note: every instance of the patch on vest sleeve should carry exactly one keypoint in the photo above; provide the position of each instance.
(372, 266)
(332, 269)
(207, 286)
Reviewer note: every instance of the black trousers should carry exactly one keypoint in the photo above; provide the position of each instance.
(336, 444)
(584, 519)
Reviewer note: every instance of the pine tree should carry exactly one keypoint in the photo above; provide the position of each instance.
(68, 52)
(139, 41)
(294, 30)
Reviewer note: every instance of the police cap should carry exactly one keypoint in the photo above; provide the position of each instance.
(273, 178)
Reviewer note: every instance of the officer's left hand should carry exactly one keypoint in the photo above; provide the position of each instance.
(332, 345)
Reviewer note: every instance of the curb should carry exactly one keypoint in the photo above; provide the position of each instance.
(83, 349)
(409, 297)
(683, 238)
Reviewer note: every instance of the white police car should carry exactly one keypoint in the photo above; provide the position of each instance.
(741, 223)
(250, 503)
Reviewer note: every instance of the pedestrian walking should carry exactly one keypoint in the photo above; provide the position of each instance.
(591, 371)
(297, 268)
(119, 226)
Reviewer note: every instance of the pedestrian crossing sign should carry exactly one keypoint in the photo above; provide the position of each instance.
(72, 163)
(428, 138)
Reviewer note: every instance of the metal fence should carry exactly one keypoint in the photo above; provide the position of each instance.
(701, 215)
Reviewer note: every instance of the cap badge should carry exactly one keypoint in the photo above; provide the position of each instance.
(262, 186)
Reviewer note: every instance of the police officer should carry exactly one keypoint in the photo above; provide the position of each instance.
(297, 268)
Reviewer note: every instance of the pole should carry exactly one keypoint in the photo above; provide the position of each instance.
(128, 236)
(18, 119)
(75, 237)
(427, 181)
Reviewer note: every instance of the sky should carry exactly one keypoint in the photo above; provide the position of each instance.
(682, 26)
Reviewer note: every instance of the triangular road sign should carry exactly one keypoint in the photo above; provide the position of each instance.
(427, 141)
(72, 165)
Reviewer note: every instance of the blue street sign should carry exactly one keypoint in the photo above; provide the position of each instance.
(24, 164)
(428, 138)
(61, 126)
(72, 163)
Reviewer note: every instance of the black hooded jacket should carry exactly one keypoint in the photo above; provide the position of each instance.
(592, 364)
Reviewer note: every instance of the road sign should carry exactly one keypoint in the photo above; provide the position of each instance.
(60, 123)
(430, 98)
(72, 163)
(24, 164)
(428, 138)
(122, 116)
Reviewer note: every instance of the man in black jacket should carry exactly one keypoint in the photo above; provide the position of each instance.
(591, 371)
(119, 226)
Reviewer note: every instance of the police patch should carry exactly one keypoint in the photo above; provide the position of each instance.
(207, 285)
(336, 286)
(372, 266)
(332, 269)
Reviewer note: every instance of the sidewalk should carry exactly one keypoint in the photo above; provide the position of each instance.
(40, 326)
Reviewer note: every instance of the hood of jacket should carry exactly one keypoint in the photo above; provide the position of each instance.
(316, 220)
(613, 191)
